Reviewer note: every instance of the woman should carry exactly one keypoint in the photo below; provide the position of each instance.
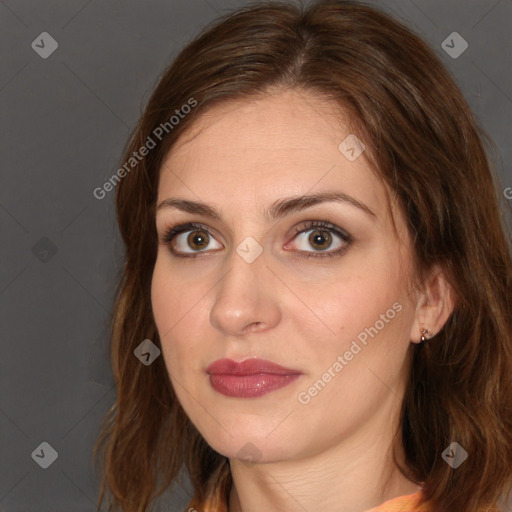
(343, 341)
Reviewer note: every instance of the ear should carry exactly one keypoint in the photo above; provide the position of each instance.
(434, 307)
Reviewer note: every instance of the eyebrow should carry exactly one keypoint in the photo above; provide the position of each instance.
(278, 209)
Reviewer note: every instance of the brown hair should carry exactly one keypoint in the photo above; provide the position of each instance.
(422, 138)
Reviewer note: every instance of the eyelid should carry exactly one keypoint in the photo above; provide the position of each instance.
(169, 233)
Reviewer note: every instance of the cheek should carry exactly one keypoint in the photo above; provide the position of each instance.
(175, 309)
(365, 310)
(171, 298)
(357, 298)
(163, 301)
(167, 311)
(173, 312)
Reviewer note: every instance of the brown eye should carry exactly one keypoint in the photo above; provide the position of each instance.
(321, 239)
(198, 240)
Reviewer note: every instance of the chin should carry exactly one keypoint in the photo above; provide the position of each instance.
(250, 440)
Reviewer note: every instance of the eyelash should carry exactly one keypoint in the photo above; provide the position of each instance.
(171, 232)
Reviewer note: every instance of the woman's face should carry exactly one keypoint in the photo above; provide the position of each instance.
(341, 323)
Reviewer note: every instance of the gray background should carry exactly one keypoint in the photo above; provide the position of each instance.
(64, 122)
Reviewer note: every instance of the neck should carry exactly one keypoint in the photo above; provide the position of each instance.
(355, 475)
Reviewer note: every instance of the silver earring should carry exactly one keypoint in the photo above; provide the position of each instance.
(424, 333)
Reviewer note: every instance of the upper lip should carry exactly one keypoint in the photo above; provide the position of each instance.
(252, 366)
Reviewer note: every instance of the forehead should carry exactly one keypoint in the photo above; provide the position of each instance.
(274, 146)
(291, 121)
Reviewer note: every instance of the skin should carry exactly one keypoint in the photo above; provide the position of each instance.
(332, 453)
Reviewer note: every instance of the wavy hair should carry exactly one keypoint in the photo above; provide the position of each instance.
(424, 143)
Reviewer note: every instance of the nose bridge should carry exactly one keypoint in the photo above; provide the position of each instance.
(242, 297)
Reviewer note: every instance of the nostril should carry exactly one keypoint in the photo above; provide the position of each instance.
(253, 327)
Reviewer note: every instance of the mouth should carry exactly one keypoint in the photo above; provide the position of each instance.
(250, 378)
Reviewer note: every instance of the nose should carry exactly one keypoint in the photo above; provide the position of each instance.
(246, 299)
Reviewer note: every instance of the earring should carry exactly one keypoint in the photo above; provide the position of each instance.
(424, 332)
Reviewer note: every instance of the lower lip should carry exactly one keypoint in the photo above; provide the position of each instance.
(249, 386)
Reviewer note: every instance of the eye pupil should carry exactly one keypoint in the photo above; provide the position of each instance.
(316, 238)
(193, 237)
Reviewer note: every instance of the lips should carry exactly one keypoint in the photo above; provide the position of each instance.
(249, 378)
(248, 367)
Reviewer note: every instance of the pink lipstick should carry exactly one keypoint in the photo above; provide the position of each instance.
(250, 378)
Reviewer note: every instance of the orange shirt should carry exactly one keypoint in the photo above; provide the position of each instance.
(407, 503)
